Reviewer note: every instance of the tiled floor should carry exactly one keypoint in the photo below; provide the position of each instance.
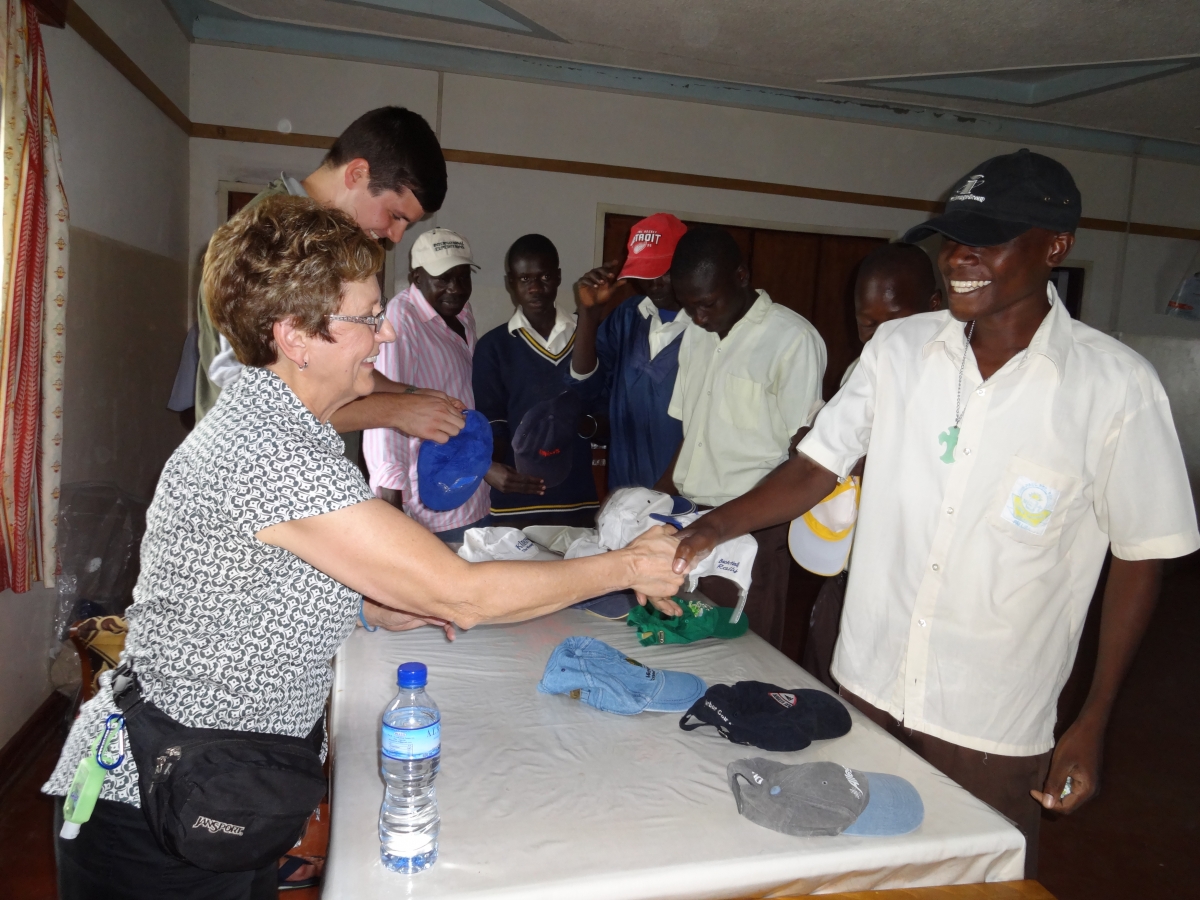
(1139, 839)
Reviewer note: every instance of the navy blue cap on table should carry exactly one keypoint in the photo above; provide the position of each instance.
(823, 798)
(602, 676)
(544, 441)
(769, 717)
(449, 474)
(1003, 198)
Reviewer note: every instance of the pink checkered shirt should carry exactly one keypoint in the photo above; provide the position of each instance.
(426, 353)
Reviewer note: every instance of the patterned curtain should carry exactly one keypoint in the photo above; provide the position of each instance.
(33, 290)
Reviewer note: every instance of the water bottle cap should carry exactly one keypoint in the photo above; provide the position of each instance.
(412, 675)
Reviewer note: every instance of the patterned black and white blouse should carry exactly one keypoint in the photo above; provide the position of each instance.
(226, 631)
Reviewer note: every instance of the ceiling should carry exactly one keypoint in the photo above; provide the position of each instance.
(1123, 67)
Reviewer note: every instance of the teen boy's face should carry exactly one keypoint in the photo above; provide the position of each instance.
(532, 281)
(386, 214)
(658, 290)
(984, 281)
(714, 300)
(447, 293)
(881, 298)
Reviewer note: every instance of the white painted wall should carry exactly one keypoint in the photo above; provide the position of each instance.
(25, 645)
(148, 33)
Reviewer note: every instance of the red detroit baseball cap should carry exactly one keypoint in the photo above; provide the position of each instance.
(651, 245)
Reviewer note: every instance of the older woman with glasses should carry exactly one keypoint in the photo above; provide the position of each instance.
(263, 538)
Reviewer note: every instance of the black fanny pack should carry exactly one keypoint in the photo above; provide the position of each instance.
(222, 800)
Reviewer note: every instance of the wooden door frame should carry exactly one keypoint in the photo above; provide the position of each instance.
(623, 209)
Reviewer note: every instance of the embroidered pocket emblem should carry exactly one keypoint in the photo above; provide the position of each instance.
(1029, 505)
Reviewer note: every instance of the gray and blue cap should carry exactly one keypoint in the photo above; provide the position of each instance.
(823, 798)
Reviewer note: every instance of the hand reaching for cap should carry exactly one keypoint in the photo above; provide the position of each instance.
(510, 481)
(651, 556)
(696, 541)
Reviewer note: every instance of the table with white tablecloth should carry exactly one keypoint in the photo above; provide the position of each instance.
(542, 796)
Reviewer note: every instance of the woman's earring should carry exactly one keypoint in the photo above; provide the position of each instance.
(305, 366)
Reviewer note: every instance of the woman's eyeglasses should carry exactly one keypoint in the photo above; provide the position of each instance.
(376, 322)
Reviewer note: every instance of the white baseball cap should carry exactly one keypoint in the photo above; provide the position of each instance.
(439, 250)
(820, 540)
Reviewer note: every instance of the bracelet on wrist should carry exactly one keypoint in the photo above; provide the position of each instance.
(362, 615)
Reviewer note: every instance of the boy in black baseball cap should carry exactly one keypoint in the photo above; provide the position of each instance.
(1011, 447)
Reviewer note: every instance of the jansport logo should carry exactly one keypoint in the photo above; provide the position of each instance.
(644, 239)
(966, 192)
(212, 826)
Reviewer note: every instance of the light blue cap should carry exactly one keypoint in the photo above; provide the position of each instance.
(895, 807)
(610, 681)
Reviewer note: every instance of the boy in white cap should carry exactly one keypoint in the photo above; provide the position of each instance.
(434, 348)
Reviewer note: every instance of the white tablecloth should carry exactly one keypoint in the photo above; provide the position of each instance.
(542, 796)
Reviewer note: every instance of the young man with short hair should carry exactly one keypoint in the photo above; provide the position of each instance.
(386, 171)
(521, 385)
(633, 354)
(749, 376)
(434, 346)
(1010, 448)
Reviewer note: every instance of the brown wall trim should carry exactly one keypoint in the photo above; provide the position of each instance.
(46, 722)
(87, 29)
(106, 47)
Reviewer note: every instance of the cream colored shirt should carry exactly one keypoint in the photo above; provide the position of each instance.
(972, 579)
(561, 335)
(662, 333)
(742, 398)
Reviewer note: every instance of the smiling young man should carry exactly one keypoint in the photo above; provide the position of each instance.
(386, 171)
(520, 381)
(749, 376)
(1010, 448)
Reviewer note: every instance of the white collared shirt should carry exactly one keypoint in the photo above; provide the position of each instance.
(662, 333)
(561, 337)
(971, 579)
(742, 398)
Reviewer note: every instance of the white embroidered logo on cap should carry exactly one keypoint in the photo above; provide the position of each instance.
(644, 239)
(787, 701)
(854, 785)
(966, 191)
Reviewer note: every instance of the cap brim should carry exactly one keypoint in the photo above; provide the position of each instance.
(610, 606)
(895, 807)
(817, 555)
(436, 267)
(645, 268)
(679, 691)
(966, 227)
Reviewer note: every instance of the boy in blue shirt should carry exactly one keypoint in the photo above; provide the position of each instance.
(633, 355)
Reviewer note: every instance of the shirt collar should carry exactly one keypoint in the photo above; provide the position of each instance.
(650, 311)
(1052, 339)
(262, 388)
(563, 330)
(413, 297)
(755, 315)
(294, 187)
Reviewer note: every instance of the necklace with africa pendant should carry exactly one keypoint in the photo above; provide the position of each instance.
(949, 437)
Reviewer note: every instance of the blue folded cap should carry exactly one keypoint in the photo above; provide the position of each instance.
(544, 441)
(603, 677)
(448, 474)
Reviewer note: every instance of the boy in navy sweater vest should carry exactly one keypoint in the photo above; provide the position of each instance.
(524, 364)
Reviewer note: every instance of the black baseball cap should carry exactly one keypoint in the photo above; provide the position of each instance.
(544, 442)
(1003, 198)
(767, 716)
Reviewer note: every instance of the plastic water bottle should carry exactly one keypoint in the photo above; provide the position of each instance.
(411, 750)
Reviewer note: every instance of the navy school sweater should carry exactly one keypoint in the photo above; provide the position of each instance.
(510, 375)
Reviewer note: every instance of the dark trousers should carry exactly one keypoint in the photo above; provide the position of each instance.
(1002, 782)
(767, 602)
(823, 626)
(116, 858)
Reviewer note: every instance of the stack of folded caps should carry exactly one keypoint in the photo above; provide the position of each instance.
(823, 798)
(603, 677)
(767, 716)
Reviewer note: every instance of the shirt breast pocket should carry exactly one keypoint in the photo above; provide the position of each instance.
(1032, 502)
(742, 402)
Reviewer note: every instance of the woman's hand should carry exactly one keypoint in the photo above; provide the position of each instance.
(395, 620)
(650, 557)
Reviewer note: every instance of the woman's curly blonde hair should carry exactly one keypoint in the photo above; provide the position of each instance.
(284, 258)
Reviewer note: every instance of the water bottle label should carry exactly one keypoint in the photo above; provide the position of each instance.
(412, 743)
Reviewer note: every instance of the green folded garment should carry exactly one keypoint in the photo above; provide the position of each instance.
(701, 619)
